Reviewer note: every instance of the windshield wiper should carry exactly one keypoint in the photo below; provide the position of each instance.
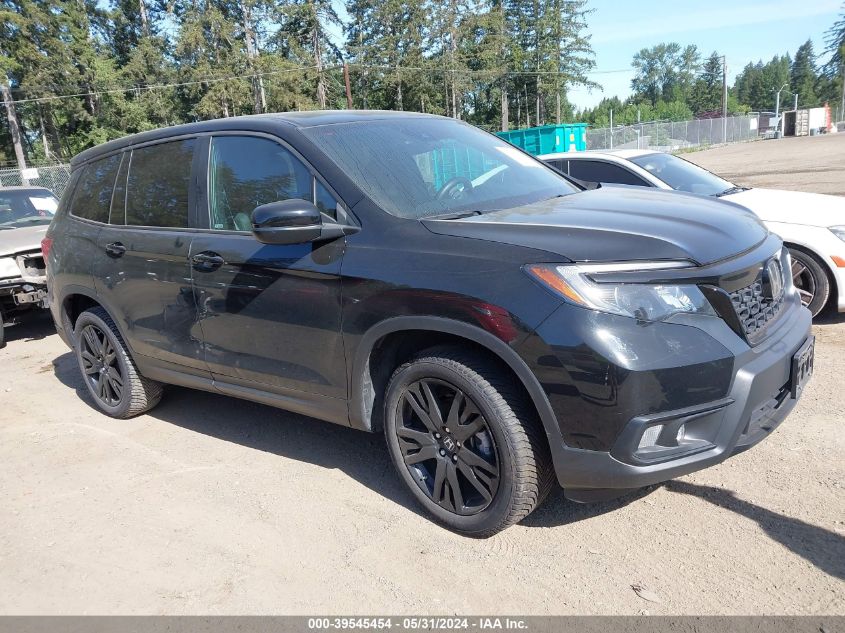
(452, 216)
(731, 190)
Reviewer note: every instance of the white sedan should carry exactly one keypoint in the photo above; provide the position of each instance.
(810, 224)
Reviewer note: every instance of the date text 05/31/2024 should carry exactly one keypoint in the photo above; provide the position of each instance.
(420, 623)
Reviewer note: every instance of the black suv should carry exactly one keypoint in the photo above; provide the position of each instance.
(414, 275)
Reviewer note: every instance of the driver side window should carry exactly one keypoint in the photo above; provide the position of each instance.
(245, 172)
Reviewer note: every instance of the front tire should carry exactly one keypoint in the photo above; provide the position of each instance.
(108, 370)
(466, 441)
(811, 280)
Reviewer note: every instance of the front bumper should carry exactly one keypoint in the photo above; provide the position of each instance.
(18, 295)
(757, 401)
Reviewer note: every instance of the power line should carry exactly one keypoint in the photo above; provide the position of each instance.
(137, 88)
(209, 80)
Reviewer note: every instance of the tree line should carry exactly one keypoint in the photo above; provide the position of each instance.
(82, 72)
(674, 83)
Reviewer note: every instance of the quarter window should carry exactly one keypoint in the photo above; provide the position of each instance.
(325, 201)
(92, 198)
(158, 184)
(246, 172)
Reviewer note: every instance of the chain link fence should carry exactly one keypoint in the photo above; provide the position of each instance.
(53, 177)
(667, 136)
(672, 136)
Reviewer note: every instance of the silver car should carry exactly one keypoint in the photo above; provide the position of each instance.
(25, 213)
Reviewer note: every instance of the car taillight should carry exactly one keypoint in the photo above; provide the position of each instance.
(46, 244)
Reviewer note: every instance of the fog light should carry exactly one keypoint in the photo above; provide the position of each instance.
(650, 436)
(681, 431)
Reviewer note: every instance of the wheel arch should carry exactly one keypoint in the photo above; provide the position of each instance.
(74, 301)
(828, 269)
(381, 350)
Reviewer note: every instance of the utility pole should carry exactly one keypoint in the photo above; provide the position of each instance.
(15, 131)
(777, 106)
(348, 87)
(724, 98)
(796, 102)
(611, 128)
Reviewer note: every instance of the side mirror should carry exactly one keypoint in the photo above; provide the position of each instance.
(292, 221)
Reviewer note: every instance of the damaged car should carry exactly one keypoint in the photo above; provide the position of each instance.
(25, 214)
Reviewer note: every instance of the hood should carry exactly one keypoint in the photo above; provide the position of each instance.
(21, 240)
(618, 224)
(795, 207)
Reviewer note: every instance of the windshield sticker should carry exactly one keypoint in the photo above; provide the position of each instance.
(43, 204)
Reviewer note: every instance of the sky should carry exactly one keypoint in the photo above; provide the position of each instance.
(743, 30)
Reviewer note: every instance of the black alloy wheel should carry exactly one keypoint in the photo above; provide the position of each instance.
(100, 366)
(466, 440)
(107, 368)
(447, 446)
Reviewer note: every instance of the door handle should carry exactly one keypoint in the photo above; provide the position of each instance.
(207, 261)
(115, 249)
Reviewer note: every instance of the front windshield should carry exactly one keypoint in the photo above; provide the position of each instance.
(682, 175)
(416, 167)
(26, 207)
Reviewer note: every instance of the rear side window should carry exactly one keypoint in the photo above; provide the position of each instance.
(246, 172)
(158, 184)
(560, 165)
(598, 171)
(92, 197)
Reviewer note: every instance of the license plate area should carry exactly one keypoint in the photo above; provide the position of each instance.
(802, 367)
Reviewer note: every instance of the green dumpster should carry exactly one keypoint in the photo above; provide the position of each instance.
(548, 139)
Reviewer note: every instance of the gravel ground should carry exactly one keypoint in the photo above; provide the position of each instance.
(810, 163)
(213, 505)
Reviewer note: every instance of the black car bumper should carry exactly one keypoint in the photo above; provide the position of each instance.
(759, 397)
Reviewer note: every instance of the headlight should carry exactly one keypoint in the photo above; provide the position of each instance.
(640, 301)
(9, 268)
(838, 231)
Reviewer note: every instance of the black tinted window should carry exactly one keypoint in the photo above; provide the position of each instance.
(158, 184)
(559, 164)
(92, 197)
(246, 172)
(598, 171)
(118, 199)
(325, 201)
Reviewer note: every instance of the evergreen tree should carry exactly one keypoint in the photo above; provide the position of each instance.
(834, 85)
(803, 75)
(385, 38)
(305, 24)
(707, 92)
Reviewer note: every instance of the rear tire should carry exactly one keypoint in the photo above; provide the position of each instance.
(811, 280)
(108, 370)
(495, 453)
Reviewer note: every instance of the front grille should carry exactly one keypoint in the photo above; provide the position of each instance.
(754, 308)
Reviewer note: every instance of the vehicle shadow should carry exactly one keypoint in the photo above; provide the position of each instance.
(33, 327)
(829, 317)
(557, 510)
(821, 547)
(362, 456)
